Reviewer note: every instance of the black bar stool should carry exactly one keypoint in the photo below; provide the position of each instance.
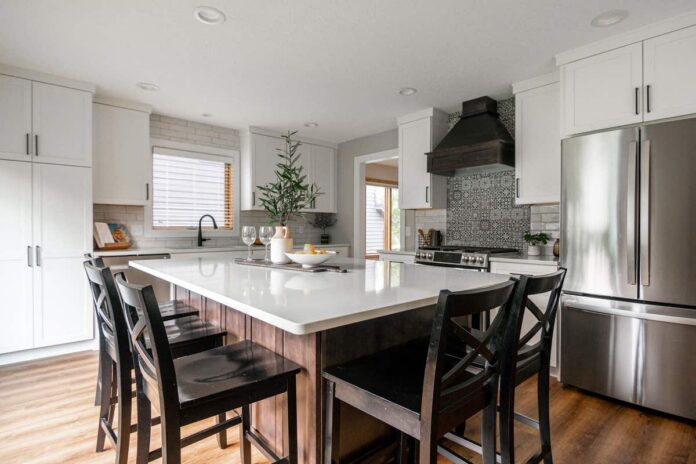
(523, 359)
(186, 335)
(419, 388)
(203, 385)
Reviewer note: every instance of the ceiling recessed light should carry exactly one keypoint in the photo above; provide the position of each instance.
(609, 18)
(209, 15)
(150, 87)
(311, 124)
(407, 91)
(206, 115)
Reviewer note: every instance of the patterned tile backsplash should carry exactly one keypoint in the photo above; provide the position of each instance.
(481, 208)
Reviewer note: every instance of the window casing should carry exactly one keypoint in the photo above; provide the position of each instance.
(188, 181)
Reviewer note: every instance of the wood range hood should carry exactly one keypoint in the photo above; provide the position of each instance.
(477, 143)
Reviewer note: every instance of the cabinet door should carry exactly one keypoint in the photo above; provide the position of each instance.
(538, 145)
(62, 122)
(670, 74)
(62, 218)
(603, 91)
(121, 149)
(16, 329)
(414, 178)
(15, 118)
(264, 151)
(324, 175)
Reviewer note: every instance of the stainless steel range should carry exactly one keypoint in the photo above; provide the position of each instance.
(459, 256)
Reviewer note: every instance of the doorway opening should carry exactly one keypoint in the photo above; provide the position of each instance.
(382, 214)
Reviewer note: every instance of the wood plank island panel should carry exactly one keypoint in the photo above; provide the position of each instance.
(314, 352)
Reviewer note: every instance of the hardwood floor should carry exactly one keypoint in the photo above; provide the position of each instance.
(47, 416)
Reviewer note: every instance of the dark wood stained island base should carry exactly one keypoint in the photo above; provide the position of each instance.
(314, 352)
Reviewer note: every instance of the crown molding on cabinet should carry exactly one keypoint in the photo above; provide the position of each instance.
(46, 78)
(119, 103)
(426, 113)
(636, 35)
(535, 82)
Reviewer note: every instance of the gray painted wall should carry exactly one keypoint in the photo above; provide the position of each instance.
(342, 232)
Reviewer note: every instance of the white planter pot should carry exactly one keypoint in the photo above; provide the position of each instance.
(280, 246)
(533, 250)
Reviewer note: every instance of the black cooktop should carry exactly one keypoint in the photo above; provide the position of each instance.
(469, 249)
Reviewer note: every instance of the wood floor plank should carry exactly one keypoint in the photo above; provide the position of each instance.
(47, 417)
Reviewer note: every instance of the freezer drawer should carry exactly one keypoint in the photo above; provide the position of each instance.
(632, 352)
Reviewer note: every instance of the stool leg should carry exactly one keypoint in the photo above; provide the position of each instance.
(171, 440)
(291, 422)
(244, 427)
(403, 451)
(488, 432)
(544, 421)
(144, 422)
(222, 436)
(332, 423)
(507, 426)
(105, 375)
(124, 416)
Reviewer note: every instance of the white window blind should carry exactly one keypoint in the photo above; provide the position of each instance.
(374, 218)
(187, 186)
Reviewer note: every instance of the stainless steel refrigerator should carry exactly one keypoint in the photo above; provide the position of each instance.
(628, 239)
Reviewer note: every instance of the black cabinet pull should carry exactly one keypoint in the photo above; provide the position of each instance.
(147, 192)
(36, 145)
(253, 198)
(637, 90)
(426, 194)
(38, 255)
(29, 256)
(517, 187)
(28, 153)
(647, 98)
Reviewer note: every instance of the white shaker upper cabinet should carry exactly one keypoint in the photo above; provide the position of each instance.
(419, 133)
(121, 154)
(670, 74)
(603, 90)
(62, 217)
(538, 143)
(16, 257)
(15, 118)
(259, 159)
(323, 173)
(62, 123)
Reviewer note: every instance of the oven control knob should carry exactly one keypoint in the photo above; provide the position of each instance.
(418, 254)
(465, 259)
(429, 256)
(480, 259)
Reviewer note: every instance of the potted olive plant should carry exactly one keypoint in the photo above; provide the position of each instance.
(323, 221)
(533, 241)
(287, 196)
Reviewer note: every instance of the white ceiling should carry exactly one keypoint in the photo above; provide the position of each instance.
(281, 63)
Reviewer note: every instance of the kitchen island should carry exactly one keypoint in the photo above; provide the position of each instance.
(317, 320)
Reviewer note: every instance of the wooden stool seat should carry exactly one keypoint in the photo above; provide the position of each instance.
(175, 309)
(237, 374)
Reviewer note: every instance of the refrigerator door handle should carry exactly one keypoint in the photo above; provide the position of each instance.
(645, 214)
(631, 214)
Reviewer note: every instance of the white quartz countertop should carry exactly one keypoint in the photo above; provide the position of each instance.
(396, 252)
(302, 302)
(525, 258)
(203, 249)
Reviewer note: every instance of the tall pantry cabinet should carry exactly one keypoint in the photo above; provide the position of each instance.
(46, 204)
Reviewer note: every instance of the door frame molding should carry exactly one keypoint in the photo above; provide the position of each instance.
(359, 163)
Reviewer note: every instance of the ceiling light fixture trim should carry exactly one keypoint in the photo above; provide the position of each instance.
(148, 86)
(209, 15)
(407, 91)
(311, 124)
(609, 18)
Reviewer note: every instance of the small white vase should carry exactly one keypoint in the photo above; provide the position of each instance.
(281, 243)
(533, 250)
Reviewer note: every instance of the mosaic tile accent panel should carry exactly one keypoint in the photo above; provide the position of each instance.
(481, 211)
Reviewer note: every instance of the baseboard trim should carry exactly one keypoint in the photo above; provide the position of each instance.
(47, 352)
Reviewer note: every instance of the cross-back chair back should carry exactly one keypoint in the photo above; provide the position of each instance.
(110, 322)
(450, 381)
(151, 350)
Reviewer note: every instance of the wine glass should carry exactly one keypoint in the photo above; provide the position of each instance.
(249, 237)
(265, 234)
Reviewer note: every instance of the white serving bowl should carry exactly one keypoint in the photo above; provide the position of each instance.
(309, 260)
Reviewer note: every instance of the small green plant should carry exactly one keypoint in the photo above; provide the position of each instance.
(290, 193)
(535, 239)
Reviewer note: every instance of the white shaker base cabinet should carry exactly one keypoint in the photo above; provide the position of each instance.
(16, 313)
(670, 75)
(15, 118)
(603, 90)
(46, 229)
